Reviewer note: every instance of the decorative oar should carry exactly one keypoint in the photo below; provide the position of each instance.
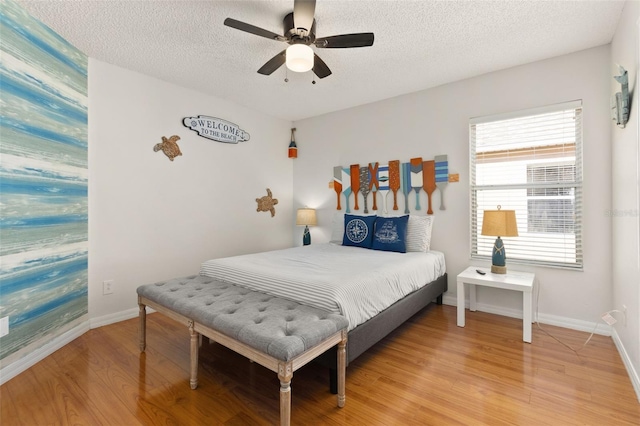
(373, 182)
(383, 184)
(429, 180)
(394, 180)
(337, 183)
(355, 183)
(416, 178)
(346, 186)
(406, 185)
(442, 176)
(364, 185)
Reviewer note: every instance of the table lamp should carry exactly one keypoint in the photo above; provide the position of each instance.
(306, 217)
(499, 223)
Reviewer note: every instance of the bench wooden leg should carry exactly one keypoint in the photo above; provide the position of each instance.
(142, 327)
(193, 381)
(285, 374)
(342, 369)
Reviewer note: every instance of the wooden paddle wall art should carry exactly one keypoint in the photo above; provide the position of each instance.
(373, 182)
(394, 176)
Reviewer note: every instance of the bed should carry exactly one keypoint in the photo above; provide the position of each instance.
(376, 290)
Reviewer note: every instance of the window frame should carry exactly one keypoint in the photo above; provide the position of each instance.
(477, 243)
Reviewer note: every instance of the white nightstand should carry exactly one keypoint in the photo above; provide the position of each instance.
(519, 281)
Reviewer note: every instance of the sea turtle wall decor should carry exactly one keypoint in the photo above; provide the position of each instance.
(267, 203)
(169, 147)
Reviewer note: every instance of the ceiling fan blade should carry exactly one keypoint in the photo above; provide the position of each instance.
(252, 29)
(273, 63)
(345, 40)
(303, 11)
(320, 68)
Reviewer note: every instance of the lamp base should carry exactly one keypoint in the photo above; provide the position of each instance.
(306, 236)
(495, 269)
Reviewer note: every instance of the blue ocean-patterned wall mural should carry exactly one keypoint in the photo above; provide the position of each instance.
(43, 183)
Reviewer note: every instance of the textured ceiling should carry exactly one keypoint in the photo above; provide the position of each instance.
(418, 44)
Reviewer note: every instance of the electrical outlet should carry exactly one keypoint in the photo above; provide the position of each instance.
(606, 317)
(624, 315)
(4, 326)
(107, 287)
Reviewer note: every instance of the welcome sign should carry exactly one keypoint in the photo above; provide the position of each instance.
(216, 129)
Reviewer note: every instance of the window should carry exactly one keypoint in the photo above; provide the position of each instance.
(530, 162)
(550, 209)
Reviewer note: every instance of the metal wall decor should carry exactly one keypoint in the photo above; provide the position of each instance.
(620, 101)
(216, 129)
(169, 147)
(394, 176)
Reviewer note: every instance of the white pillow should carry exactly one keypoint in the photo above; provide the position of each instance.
(337, 228)
(419, 233)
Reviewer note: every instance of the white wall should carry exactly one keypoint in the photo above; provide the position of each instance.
(152, 219)
(625, 49)
(434, 122)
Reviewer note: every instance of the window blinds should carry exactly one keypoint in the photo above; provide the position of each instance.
(530, 162)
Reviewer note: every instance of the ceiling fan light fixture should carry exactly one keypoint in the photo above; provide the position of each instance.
(299, 58)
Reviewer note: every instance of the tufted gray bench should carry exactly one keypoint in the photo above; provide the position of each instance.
(277, 333)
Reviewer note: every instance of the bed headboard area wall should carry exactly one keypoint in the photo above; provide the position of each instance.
(433, 122)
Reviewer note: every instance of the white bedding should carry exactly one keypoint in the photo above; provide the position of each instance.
(355, 282)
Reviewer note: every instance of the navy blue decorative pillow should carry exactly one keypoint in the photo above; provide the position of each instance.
(358, 230)
(391, 234)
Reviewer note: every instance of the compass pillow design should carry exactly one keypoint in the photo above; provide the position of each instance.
(358, 230)
(391, 234)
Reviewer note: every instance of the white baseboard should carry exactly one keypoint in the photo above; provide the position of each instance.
(596, 327)
(12, 370)
(633, 374)
(570, 323)
(22, 364)
(116, 317)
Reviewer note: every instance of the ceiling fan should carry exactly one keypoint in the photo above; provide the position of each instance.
(300, 34)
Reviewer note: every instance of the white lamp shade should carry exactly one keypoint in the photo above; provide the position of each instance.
(299, 58)
(306, 217)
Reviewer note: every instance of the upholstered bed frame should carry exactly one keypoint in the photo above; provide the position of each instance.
(371, 332)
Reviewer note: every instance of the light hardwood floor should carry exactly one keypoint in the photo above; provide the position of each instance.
(427, 372)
